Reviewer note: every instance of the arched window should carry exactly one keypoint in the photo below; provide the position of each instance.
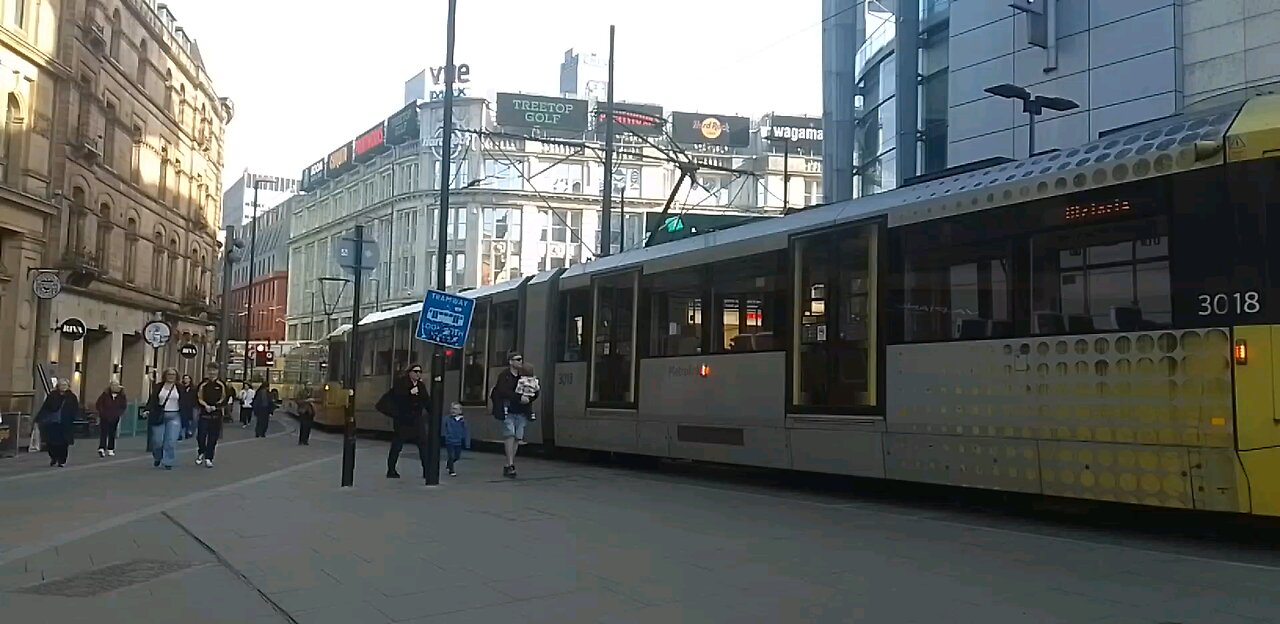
(116, 35)
(168, 90)
(142, 63)
(172, 286)
(10, 139)
(182, 104)
(157, 261)
(204, 287)
(163, 183)
(79, 222)
(131, 250)
(193, 271)
(102, 250)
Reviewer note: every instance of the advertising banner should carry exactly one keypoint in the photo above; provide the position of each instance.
(313, 176)
(805, 133)
(644, 119)
(537, 111)
(338, 162)
(370, 144)
(701, 129)
(402, 127)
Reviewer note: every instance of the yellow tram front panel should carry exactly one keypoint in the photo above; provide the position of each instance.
(1257, 419)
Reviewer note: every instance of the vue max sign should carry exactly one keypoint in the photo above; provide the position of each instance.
(461, 81)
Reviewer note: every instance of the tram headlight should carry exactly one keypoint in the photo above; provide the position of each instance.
(1241, 352)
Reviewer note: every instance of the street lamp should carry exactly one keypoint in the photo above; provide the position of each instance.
(786, 171)
(1033, 106)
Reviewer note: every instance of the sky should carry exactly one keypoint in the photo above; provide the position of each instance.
(305, 77)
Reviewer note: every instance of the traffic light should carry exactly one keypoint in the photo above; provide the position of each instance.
(262, 357)
(269, 359)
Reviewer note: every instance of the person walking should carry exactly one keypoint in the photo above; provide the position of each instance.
(57, 420)
(263, 406)
(188, 407)
(456, 435)
(512, 408)
(213, 395)
(246, 405)
(306, 416)
(164, 416)
(406, 403)
(110, 405)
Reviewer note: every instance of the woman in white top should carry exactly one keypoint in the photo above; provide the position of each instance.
(164, 415)
(246, 405)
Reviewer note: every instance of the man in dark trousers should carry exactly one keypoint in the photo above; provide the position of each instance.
(408, 404)
(212, 397)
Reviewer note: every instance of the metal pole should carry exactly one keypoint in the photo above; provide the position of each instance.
(224, 329)
(606, 218)
(442, 247)
(353, 360)
(622, 217)
(786, 176)
(1031, 133)
(253, 258)
(155, 353)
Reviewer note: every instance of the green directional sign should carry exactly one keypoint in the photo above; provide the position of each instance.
(673, 224)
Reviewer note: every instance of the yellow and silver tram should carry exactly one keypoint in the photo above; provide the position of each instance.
(1099, 323)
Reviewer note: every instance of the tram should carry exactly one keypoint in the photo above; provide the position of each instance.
(1096, 323)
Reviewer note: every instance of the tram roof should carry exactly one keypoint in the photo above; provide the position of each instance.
(1162, 147)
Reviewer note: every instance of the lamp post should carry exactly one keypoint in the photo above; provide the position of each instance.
(1033, 106)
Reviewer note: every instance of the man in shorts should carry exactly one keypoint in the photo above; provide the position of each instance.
(513, 407)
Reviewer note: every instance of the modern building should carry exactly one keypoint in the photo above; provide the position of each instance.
(904, 81)
(237, 199)
(259, 280)
(137, 135)
(29, 210)
(584, 75)
(526, 198)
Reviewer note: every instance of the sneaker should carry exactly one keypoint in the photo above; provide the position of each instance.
(453, 473)
(199, 459)
(156, 463)
(102, 453)
(62, 465)
(168, 467)
(208, 463)
(513, 472)
(111, 453)
(391, 474)
(506, 471)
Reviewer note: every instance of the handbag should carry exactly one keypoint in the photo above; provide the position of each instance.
(155, 415)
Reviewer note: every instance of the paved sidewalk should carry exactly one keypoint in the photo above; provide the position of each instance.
(576, 543)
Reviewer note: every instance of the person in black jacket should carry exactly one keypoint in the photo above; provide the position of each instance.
(263, 406)
(188, 406)
(57, 420)
(212, 396)
(410, 406)
(512, 408)
(111, 405)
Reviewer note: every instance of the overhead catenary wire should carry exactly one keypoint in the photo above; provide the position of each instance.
(515, 165)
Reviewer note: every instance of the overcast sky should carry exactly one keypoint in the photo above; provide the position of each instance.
(307, 76)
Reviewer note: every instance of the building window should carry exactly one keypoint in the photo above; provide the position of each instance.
(83, 111)
(19, 13)
(9, 141)
(182, 104)
(162, 189)
(157, 262)
(131, 251)
(103, 248)
(109, 135)
(76, 229)
(142, 63)
(612, 358)
(116, 35)
(676, 306)
(169, 91)
(934, 66)
(876, 129)
(504, 175)
(171, 284)
(750, 298)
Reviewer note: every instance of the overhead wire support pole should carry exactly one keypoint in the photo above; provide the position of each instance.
(353, 360)
(686, 170)
(442, 246)
(606, 210)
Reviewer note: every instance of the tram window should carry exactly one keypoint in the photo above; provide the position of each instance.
(380, 350)
(1106, 278)
(614, 336)
(960, 293)
(675, 313)
(750, 297)
(505, 320)
(474, 367)
(574, 306)
(836, 333)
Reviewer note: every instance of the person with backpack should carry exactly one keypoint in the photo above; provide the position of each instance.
(407, 404)
(213, 395)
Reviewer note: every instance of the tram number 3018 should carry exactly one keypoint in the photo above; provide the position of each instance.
(1249, 302)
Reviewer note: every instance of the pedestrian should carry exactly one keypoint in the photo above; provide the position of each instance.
(164, 417)
(263, 406)
(57, 419)
(406, 402)
(188, 400)
(306, 416)
(512, 408)
(456, 435)
(246, 405)
(213, 395)
(110, 405)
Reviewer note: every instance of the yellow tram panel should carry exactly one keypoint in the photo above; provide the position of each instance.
(1257, 419)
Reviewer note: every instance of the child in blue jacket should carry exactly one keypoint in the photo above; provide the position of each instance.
(456, 435)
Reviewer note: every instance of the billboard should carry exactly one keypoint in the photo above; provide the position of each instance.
(700, 129)
(402, 127)
(370, 143)
(338, 162)
(804, 133)
(644, 119)
(313, 175)
(537, 111)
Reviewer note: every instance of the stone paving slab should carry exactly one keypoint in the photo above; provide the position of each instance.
(579, 543)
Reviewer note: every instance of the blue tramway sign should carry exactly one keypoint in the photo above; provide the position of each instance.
(445, 319)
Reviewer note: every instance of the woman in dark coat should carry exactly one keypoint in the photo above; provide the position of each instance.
(57, 422)
(111, 405)
(263, 406)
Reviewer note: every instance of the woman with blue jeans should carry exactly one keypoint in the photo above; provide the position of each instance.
(164, 415)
